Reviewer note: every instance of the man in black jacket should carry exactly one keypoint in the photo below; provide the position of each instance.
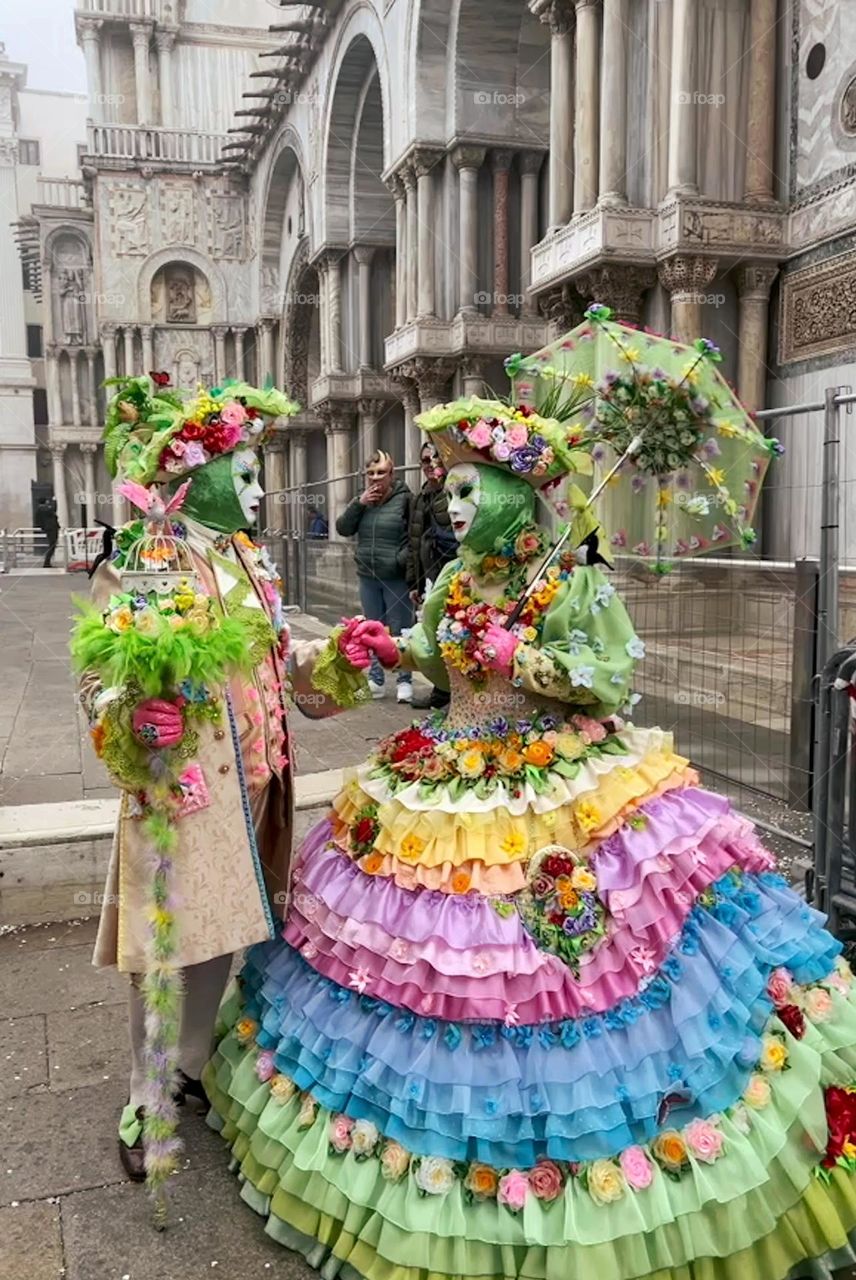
(432, 543)
(380, 519)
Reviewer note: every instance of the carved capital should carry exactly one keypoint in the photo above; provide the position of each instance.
(620, 287)
(108, 331)
(468, 157)
(58, 450)
(336, 417)
(530, 161)
(686, 275)
(219, 331)
(146, 330)
(141, 34)
(557, 14)
(89, 28)
(425, 158)
(561, 305)
(394, 184)
(408, 176)
(500, 160)
(363, 253)
(264, 325)
(88, 448)
(429, 374)
(755, 279)
(369, 408)
(165, 39)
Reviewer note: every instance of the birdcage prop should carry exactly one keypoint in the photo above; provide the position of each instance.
(159, 563)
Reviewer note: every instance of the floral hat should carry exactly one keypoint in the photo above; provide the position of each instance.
(154, 434)
(517, 439)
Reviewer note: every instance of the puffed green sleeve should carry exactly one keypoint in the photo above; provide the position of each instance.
(587, 650)
(418, 648)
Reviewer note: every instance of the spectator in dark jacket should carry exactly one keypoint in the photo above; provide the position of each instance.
(432, 543)
(48, 522)
(380, 520)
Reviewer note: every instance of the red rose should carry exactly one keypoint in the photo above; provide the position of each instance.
(364, 832)
(160, 379)
(408, 743)
(793, 1020)
(252, 413)
(192, 431)
(557, 866)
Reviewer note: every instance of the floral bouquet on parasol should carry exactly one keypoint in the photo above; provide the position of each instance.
(163, 652)
(693, 459)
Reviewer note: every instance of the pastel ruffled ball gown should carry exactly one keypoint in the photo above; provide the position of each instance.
(543, 1008)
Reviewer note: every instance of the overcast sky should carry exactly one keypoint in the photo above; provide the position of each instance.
(41, 34)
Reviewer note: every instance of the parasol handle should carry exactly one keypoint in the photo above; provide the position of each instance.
(633, 448)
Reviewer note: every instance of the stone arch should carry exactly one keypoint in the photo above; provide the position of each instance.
(429, 40)
(360, 58)
(205, 266)
(371, 215)
(301, 338)
(501, 84)
(285, 194)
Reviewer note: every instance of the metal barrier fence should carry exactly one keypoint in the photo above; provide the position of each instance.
(832, 880)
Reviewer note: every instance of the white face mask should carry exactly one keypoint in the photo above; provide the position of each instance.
(464, 489)
(245, 476)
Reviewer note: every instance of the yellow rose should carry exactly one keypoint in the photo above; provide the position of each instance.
(147, 622)
(121, 619)
(583, 880)
(774, 1054)
(282, 1089)
(758, 1092)
(245, 1029)
(588, 816)
(538, 753)
(514, 844)
(511, 761)
(605, 1182)
(670, 1150)
(471, 764)
(569, 746)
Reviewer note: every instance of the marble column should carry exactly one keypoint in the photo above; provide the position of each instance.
(559, 14)
(60, 494)
(683, 108)
(108, 349)
(91, 387)
(276, 480)
(363, 255)
(338, 433)
(164, 41)
(146, 335)
(141, 34)
(334, 311)
(530, 168)
(613, 115)
(369, 412)
(412, 435)
(52, 384)
(74, 371)
(265, 345)
(468, 161)
(754, 281)
(472, 376)
(128, 339)
(240, 366)
(411, 272)
(424, 162)
(323, 311)
(298, 458)
(91, 496)
(761, 114)
(620, 287)
(396, 186)
(500, 163)
(89, 30)
(218, 332)
(686, 279)
(586, 105)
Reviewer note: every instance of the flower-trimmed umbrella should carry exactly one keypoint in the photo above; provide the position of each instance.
(691, 480)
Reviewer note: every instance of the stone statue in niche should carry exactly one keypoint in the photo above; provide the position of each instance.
(131, 232)
(71, 287)
(180, 299)
(186, 373)
(848, 108)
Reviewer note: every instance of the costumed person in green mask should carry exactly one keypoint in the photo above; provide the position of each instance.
(230, 865)
(542, 1007)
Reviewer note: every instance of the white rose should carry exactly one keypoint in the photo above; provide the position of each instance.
(435, 1175)
(364, 1138)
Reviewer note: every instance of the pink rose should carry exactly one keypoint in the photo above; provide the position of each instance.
(637, 1168)
(513, 1190)
(501, 451)
(233, 414)
(545, 1180)
(265, 1065)
(818, 1004)
(194, 455)
(229, 435)
(589, 728)
(704, 1140)
(340, 1133)
(479, 436)
(779, 987)
(516, 435)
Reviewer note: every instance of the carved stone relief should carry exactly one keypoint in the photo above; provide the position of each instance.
(129, 219)
(178, 225)
(226, 227)
(188, 355)
(847, 109)
(819, 309)
(70, 274)
(181, 294)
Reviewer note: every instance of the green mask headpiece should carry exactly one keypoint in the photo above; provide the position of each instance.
(213, 498)
(505, 510)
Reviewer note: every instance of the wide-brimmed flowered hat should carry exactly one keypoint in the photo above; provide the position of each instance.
(154, 434)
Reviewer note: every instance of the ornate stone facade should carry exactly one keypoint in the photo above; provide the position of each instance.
(819, 310)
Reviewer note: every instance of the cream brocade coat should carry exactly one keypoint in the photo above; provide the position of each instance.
(230, 869)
